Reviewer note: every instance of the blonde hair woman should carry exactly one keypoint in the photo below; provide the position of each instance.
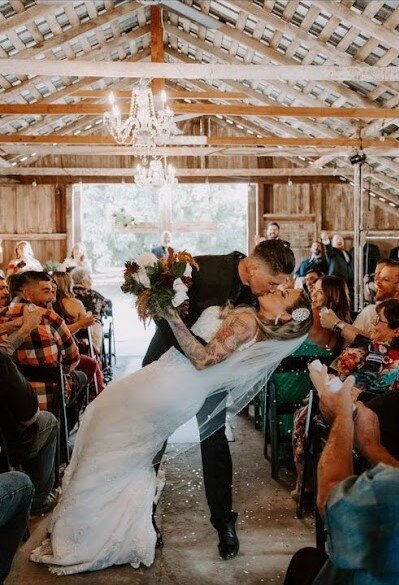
(77, 259)
(25, 259)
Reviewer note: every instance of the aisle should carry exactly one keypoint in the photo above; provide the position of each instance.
(268, 530)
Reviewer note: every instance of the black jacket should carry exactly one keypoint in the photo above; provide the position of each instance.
(394, 253)
(18, 405)
(371, 257)
(312, 263)
(216, 282)
(338, 266)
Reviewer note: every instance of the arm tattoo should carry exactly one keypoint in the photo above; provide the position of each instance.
(235, 330)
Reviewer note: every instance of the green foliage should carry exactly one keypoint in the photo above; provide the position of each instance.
(223, 205)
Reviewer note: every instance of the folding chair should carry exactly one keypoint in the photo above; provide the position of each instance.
(84, 335)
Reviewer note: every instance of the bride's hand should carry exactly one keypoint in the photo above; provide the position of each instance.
(170, 314)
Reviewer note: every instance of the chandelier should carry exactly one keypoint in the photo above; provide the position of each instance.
(156, 174)
(143, 125)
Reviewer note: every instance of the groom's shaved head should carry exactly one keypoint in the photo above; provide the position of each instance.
(277, 254)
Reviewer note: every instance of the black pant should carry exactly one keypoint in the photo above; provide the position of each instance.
(304, 567)
(216, 458)
(76, 399)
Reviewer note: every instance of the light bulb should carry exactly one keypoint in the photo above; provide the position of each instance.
(163, 96)
(111, 98)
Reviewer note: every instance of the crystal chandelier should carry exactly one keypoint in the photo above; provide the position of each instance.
(143, 124)
(156, 174)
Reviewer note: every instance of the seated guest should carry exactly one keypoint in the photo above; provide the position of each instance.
(31, 435)
(16, 493)
(50, 343)
(387, 287)
(329, 292)
(74, 314)
(91, 299)
(374, 360)
(4, 293)
(316, 260)
(311, 277)
(77, 259)
(25, 259)
(361, 513)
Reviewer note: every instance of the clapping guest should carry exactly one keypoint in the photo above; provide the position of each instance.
(77, 259)
(339, 260)
(25, 259)
(361, 514)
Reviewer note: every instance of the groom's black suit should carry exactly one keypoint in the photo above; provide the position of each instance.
(216, 282)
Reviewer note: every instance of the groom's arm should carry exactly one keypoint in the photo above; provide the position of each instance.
(234, 331)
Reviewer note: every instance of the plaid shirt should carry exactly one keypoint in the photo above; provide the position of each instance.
(48, 344)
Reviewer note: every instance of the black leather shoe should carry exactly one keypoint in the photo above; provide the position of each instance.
(159, 541)
(228, 541)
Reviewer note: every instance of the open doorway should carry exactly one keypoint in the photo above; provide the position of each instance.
(121, 220)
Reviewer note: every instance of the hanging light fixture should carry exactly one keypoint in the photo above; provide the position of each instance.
(143, 124)
(156, 174)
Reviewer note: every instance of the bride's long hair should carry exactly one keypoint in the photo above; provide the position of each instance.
(282, 331)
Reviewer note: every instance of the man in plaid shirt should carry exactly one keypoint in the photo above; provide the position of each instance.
(50, 343)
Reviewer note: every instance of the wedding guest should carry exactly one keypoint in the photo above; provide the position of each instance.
(387, 287)
(51, 342)
(77, 259)
(91, 299)
(31, 434)
(72, 311)
(317, 260)
(4, 293)
(311, 277)
(367, 552)
(16, 494)
(339, 260)
(162, 249)
(25, 259)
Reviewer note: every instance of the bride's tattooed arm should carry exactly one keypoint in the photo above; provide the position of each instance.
(235, 330)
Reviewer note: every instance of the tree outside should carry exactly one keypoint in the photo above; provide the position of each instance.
(113, 214)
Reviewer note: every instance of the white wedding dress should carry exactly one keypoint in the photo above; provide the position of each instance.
(104, 515)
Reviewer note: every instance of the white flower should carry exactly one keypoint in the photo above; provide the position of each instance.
(147, 259)
(179, 286)
(179, 298)
(188, 271)
(180, 292)
(142, 278)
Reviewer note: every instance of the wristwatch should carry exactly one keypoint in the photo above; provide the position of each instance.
(338, 327)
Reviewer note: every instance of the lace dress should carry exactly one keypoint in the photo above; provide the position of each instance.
(104, 515)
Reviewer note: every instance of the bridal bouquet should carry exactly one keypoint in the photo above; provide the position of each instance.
(159, 283)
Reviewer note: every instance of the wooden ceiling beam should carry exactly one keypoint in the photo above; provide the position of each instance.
(173, 94)
(86, 68)
(95, 109)
(157, 47)
(204, 140)
(180, 172)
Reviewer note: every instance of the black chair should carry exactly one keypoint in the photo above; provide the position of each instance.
(53, 375)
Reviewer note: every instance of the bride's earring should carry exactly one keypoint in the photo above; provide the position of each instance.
(277, 319)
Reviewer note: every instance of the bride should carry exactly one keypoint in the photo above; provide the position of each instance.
(104, 515)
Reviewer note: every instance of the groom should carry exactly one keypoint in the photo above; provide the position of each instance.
(238, 279)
